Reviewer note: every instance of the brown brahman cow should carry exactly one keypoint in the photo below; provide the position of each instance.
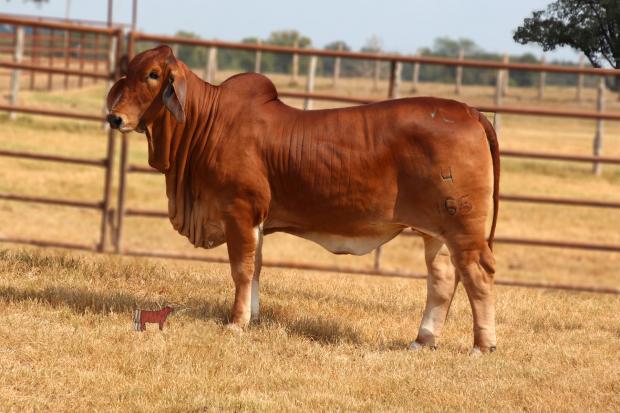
(239, 163)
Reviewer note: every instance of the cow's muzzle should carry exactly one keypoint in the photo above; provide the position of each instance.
(115, 121)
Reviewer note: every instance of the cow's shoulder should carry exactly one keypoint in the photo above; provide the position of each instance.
(250, 86)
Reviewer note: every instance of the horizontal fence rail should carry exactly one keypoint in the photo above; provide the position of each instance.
(54, 158)
(54, 70)
(479, 64)
(13, 20)
(52, 201)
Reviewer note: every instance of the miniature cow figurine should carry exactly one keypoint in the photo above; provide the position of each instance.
(141, 317)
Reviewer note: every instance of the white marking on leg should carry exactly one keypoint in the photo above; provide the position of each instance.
(255, 299)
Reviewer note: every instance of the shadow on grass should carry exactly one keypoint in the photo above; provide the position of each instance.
(315, 328)
(82, 301)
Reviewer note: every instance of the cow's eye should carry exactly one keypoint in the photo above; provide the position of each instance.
(154, 75)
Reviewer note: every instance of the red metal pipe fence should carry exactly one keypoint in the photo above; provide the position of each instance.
(107, 163)
(126, 169)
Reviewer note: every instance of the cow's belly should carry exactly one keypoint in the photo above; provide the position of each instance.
(349, 244)
(359, 240)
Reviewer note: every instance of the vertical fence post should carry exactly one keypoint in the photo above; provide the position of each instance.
(498, 99)
(67, 55)
(211, 65)
(580, 78)
(295, 65)
(122, 191)
(81, 78)
(34, 59)
(415, 78)
(95, 56)
(597, 145)
(376, 75)
(310, 82)
(258, 57)
(395, 75)
(107, 190)
(50, 61)
(541, 80)
(337, 67)
(505, 75)
(18, 55)
(111, 66)
(109, 172)
(377, 263)
(459, 73)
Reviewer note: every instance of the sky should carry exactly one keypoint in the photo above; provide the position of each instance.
(403, 26)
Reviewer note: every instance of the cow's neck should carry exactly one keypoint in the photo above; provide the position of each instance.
(187, 143)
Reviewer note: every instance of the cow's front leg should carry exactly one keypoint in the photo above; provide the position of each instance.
(258, 263)
(242, 240)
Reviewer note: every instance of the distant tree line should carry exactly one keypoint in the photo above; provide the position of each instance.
(243, 61)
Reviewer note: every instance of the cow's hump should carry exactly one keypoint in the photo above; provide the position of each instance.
(252, 86)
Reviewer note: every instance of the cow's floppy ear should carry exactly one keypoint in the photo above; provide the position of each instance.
(174, 91)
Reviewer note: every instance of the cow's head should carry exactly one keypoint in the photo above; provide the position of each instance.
(155, 81)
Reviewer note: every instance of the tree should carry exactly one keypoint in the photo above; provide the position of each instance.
(282, 62)
(348, 67)
(445, 46)
(592, 26)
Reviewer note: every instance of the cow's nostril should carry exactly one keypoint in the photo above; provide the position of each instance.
(115, 121)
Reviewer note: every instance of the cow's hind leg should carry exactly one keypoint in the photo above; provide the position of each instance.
(476, 267)
(441, 285)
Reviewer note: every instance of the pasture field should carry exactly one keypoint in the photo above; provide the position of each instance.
(325, 341)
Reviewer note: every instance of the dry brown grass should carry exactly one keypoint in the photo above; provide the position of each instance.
(329, 342)
(326, 342)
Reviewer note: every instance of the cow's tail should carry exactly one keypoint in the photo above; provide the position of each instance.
(494, 147)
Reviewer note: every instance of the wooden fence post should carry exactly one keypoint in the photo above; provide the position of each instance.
(95, 56)
(395, 75)
(211, 65)
(50, 61)
(295, 66)
(580, 78)
(498, 99)
(258, 58)
(18, 56)
(597, 146)
(506, 75)
(34, 59)
(541, 80)
(310, 82)
(376, 75)
(459, 73)
(377, 263)
(67, 55)
(337, 67)
(81, 78)
(415, 77)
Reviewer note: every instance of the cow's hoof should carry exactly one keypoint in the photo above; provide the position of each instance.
(479, 351)
(415, 346)
(234, 328)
